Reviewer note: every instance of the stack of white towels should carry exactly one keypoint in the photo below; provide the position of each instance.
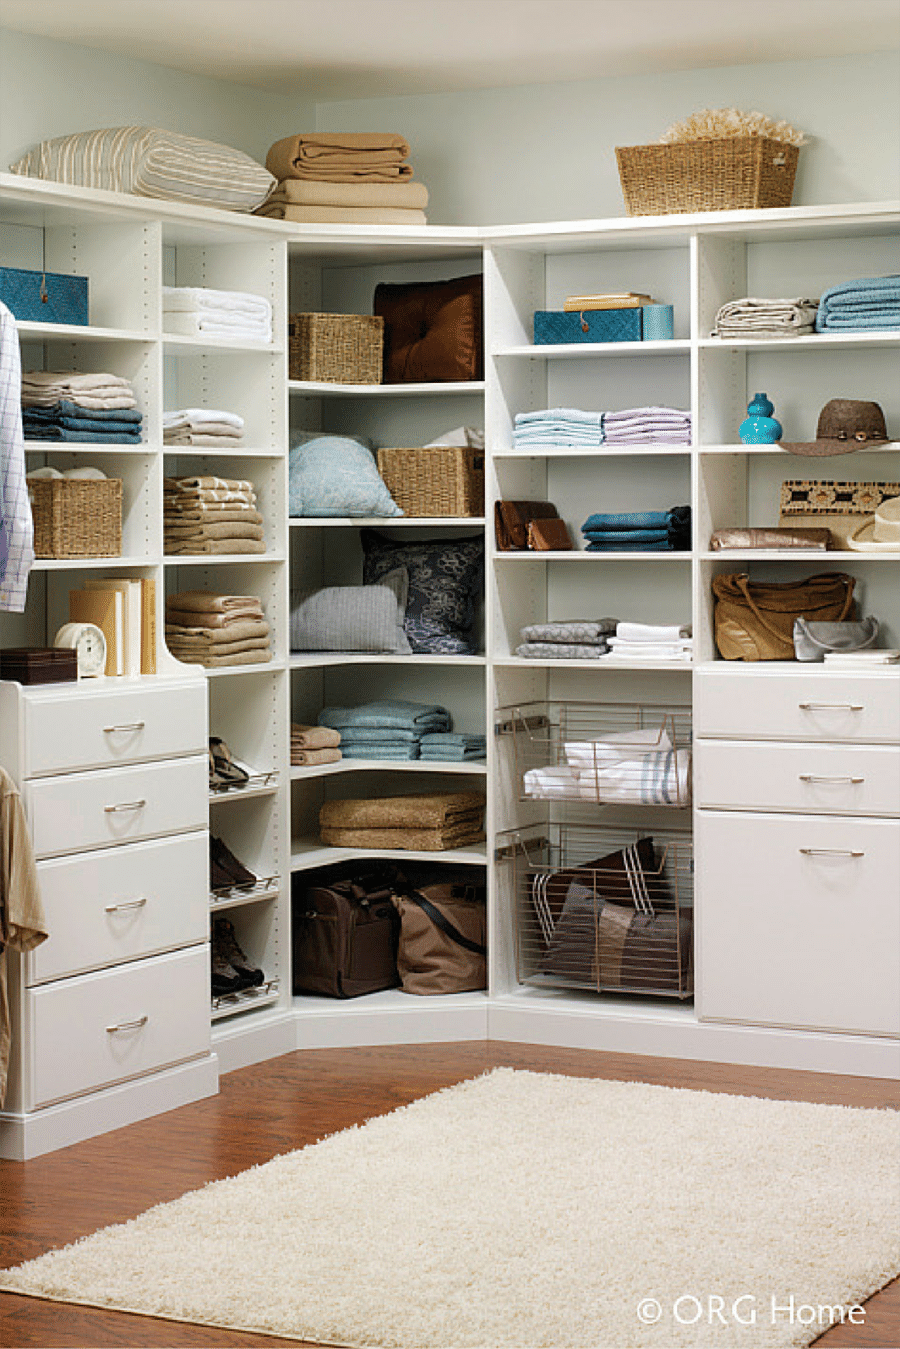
(203, 426)
(637, 768)
(568, 427)
(650, 641)
(197, 311)
(96, 392)
(647, 426)
(751, 317)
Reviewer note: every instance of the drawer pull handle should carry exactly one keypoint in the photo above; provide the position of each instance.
(125, 805)
(832, 852)
(832, 707)
(813, 777)
(127, 904)
(128, 1025)
(129, 726)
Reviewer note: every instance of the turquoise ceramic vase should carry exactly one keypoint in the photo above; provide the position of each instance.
(760, 427)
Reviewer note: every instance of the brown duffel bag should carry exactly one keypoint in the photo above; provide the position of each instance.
(442, 939)
(344, 937)
(754, 620)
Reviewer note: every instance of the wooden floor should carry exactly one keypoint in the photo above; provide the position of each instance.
(287, 1103)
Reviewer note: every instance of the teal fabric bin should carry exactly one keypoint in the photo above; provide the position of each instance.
(44, 297)
(592, 325)
(659, 322)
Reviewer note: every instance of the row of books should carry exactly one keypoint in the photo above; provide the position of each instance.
(125, 611)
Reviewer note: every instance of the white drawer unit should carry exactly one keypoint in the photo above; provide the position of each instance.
(99, 1029)
(828, 779)
(799, 704)
(799, 921)
(119, 904)
(118, 805)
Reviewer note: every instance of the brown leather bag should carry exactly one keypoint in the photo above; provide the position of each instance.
(754, 620)
(344, 937)
(442, 939)
(512, 518)
(550, 535)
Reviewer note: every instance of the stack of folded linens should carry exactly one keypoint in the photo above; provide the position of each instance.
(312, 745)
(576, 639)
(452, 747)
(869, 303)
(203, 426)
(638, 768)
(203, 628)
(197, 311)
(429, 822)
(751, 317)
(639, 531)
(211, 515)
(345, 178)
(568, 427)
(69, 406)
(647, 426)
(650, 641)
(385, 729)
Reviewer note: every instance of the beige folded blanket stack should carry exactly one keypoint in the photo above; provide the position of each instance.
(203, 628)
(344, 178)
(211, 515)
(429, 822)
(312, 745)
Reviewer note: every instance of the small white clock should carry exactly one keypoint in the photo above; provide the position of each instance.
(89, 645)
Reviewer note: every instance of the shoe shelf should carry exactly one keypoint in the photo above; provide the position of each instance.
(245, 999)
(235, 896)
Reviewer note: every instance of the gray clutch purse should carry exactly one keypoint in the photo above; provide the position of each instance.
(812, 640)
(780, 537)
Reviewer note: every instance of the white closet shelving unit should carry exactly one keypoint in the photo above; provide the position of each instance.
(129, 248)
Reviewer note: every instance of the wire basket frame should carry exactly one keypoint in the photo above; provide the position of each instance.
(609, 910)
(605, 753)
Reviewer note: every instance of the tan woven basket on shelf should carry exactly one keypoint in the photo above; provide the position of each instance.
(730, 174)
(439, 480)
(76, 517)
(336, 348)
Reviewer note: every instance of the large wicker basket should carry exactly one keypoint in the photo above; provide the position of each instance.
(730, 174)
(439, 480)
(76, 517)
(336, 348)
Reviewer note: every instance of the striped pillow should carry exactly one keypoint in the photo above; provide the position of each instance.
(148, 162)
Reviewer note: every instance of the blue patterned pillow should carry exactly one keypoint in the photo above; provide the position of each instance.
(446, 578)
(334, 476)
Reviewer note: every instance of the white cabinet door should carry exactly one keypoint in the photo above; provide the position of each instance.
(798, 921)
(811, 778)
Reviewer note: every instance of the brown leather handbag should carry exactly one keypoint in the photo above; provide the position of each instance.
(754, 620)
(442, 939)
(512, 519)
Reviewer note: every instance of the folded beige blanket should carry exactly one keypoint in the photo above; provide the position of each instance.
(214, 662)
(209, 495)
(216, 433)
(421, 840)
(343, 215)
(420, 810)
(207, 601)
(307, 758)
(182, 646)
(195, 484)
(182, 618)
(211, 513)
(313, 737)
(341, 156)
(304, 192)
(219, 529)
(199, 546)
(255, 628)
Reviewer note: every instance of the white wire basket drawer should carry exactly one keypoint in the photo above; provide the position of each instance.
(605, 753)
(606, 909)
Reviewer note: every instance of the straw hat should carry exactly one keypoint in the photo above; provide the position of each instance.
(881, 533)
(845, 425)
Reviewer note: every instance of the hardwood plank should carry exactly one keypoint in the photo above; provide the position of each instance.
(294, 1100)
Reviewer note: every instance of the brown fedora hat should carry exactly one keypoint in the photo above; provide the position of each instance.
(845, 425)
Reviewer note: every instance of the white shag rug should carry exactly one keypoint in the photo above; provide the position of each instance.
(525, 1210)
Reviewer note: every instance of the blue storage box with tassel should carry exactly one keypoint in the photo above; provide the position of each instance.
(44, 297)
(591, 325)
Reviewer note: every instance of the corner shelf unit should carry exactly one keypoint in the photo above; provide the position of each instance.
(129, 248)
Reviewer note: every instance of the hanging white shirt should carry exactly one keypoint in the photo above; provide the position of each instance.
(16, 529)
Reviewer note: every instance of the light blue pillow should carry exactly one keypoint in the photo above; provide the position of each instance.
(334, 476)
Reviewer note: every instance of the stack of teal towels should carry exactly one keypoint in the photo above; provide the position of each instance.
(869, 303)
(639, 531)
(393, 728)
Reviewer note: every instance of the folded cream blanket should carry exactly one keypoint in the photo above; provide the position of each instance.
(749, 316)
(213, 440)
(343, 215)
(73, 381)
(340, 156)
(420, 810)
(199, 418)
(306, 192)
(224, 303)
(199, 325)
(313, 737)
(306, 758)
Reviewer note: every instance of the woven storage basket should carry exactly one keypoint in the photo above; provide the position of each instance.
(730, 174)
(439, 480)
(336, 348)
(76, 517)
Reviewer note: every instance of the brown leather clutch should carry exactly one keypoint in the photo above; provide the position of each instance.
(549, 535)
(770, 538)
(512, 518)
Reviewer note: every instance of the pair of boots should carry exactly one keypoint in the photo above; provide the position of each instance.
(231, 971)
(225, 871)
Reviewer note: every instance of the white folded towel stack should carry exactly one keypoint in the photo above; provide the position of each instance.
(203, 426)
(751, 317)
(196, 311)
(651, 641)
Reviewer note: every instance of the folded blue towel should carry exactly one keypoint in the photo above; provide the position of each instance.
(384, 749)
(396, 713)
(887, 318)
(89, 437)
(616, 536)
(871, 297)
(66, 408)
(628, 546)
(634, 520)
(101, 430)
(365, 735)
(577, 416)
(450, 756)
(452, 740)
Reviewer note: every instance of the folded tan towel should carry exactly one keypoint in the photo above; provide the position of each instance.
(421, 840)
(250, 628)
(307, 758)
(419, 810)
(306, 192)
(209, 494)
(340, 156)
(313, 737)
(194, 484)
(184, 618)
(343, 215)
(199, 546)
(221, 437)
(221, 529)
(193, 646)
(207, 601)
(214, 662)
(222, 513)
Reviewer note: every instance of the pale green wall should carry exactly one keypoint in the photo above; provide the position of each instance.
(52, 88)
(546, 152)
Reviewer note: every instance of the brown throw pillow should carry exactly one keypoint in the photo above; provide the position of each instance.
(433, 330)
